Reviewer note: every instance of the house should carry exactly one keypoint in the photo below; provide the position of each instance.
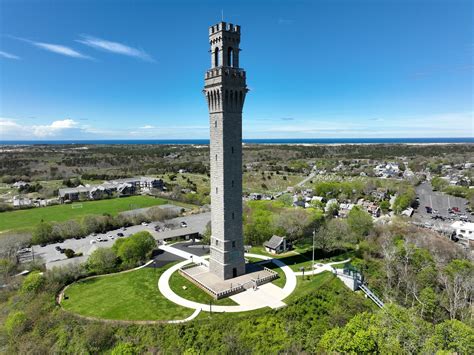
(408, 212)
(19, 201)
(464, 230)
(277, 245)
(318, 198)
(330, 202)
(370, 207)
(20, 184)
(344, 209)
(255, 196)
(123, 187)
(74, 193)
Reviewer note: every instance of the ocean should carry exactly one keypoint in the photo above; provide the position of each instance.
(249, 141)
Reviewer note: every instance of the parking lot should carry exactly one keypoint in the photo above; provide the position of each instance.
(169, 229)
(439, 203)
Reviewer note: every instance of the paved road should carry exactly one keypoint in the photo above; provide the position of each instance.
(305, 180)
(51, 257)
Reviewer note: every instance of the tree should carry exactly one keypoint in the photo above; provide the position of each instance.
(333, 235)
(42, 233)
(102, 261)
(457, 279)
(359, 221)
(135, 249)
(385, 206)
(451, 336)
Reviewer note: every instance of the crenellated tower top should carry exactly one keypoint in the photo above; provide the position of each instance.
(224, 39)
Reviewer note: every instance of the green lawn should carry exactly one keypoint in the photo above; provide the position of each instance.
(281, 281)
(194, 293)
(303, 256)
(310, 284)
(26, 219)
(127, 296)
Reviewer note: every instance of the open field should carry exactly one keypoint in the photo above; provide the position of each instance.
(125, 296)
(269, 181)
(26, 219)
(194, 293)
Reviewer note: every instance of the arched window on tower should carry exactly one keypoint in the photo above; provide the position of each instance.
(216, 57)
(230, 57)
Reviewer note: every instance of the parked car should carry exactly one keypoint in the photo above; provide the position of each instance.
(58, 248)
(93, 241)
(119, 234)
(94, 234)
(111, 237)
(124, 228)
(428, 209)
(184, 224)
(144, 223)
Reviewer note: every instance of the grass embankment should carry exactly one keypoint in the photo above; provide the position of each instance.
(126, 296)
(27, 219)
(310, 284)
(194, 293)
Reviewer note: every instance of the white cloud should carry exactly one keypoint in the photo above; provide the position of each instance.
(11, 129)
(115, 47)
(147, 127)
(59, 49)
(55, 48)
(8, 55)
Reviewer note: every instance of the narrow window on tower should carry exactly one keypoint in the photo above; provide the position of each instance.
(232, 150)
(217, 190)
(233, 244)
(233, 215)
(232, 183)
(216, 157)
(215, 124)
(216, 57)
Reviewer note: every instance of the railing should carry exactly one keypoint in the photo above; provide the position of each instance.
(372, 295)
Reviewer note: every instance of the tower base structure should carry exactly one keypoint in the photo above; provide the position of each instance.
(254, 276)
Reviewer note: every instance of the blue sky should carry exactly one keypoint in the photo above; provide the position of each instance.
(315, 69)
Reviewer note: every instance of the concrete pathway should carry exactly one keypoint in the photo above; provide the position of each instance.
(320, 269)
(268, 295)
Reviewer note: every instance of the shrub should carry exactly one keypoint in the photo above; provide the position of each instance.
(32, 283)
(15, 324)
(102, 261)
(69, 253)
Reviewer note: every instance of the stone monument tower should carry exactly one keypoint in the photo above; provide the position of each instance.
(225, 89)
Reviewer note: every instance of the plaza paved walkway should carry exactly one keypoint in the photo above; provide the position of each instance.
(323, 267)
(267, 295)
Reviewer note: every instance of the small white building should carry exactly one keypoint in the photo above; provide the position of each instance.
(464, 230)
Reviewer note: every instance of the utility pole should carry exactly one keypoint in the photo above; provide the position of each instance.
(312, 266)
